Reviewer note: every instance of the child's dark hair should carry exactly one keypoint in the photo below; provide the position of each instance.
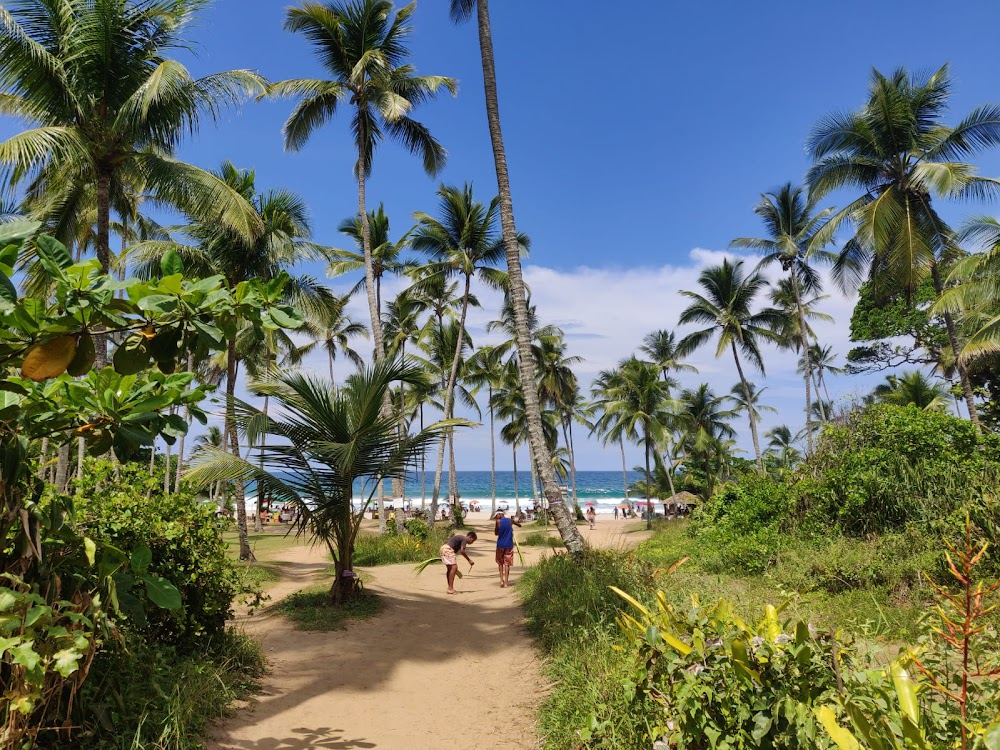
(472, 535)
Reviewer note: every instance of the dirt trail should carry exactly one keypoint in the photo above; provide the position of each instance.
(432, 671)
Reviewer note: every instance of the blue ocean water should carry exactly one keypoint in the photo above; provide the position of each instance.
(605, 489)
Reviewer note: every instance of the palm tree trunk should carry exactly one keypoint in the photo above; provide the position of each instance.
(649, 498)
(963, 374)
(449, 395)
(332, 381)
(234, 443)
(517, 495)
(43, 454)
(366, 243)
(399, 483)
(103, 249)
(180, 444)
(568, 429)
(621, 443)
(566, 524)
(166, 469)
(81, 451)
(62, 468)
(753, 421)
(806, 358)
(536, 499)
(381, 507)
(493, 459)
(423, 468)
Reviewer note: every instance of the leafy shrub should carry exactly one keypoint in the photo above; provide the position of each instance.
(123, 507)
(312, 610)
(417, 528)
(540, 539)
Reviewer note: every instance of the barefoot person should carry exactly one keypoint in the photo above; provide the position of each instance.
(591, 517)
(504, 531)
(456, 544)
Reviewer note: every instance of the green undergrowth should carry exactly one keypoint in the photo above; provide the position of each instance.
(540, 539)
(389, 549)
(310, 609)
(875, 584)
(160, 698)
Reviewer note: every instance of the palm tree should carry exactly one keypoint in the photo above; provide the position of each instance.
(281, 243)
(461, 10)
(362, 47)
(558, 390)
(386, 254)
(485, 368)
(664, 351)
(727, 309)
(897, 151)
(913, 388)
(611, 426)
(752, 406)
(108, 109)
(781, 445)
(823, 358)
(462, 241)
(333, 335)
(641, 400)
(793, 240)
(326, 440)
(705, 428)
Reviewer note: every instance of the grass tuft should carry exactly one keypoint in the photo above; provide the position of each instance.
(386, 549)
(310, 609)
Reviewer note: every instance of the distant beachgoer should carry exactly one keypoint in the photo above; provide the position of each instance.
(591, 516)
(456, 544)
(504, 531)
(616, 512)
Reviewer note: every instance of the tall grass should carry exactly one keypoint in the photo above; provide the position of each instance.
(155, 698)
(310, 609)
(385, 549)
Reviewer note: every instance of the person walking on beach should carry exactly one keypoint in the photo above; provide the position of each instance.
(456, 544)
(504, 531)
(591, 517)
(616, 512)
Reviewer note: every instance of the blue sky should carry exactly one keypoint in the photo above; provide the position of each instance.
(639, 137)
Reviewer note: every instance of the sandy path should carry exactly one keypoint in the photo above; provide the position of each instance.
(432, 671)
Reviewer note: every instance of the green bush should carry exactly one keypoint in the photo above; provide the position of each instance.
(123, 507)
(155, 696)
(311, 609)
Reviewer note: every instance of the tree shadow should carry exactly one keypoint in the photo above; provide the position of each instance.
(320, 738)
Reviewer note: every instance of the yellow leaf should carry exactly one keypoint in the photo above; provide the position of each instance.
(844, 739)
(48, 360)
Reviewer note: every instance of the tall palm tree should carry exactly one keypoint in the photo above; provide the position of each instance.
(793, 240)
(283, 241)
(387, 256)
(822, 358)
(781, 445)
(361, 45)
(752, 406)
(485, 368)
(333, 334)
(108, 108)
(461, 242)
(704, 422)
(610, 425)
(558, 390)
(664, 351)
(727, 308)
(913, 388)
(327, 440)
(899, 154)
(461, 10)
(641, 400)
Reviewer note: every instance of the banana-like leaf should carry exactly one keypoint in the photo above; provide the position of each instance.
(841, 736)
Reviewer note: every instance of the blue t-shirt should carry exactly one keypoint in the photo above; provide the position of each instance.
(505, 540)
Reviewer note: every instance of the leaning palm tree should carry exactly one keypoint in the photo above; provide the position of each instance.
(108, 108)
(793, 240)
(664, 351)
(281, 243)
(462, 241)
(361, 44)
(324, 442)
(461, 10)
(899, 154)
(333, 334)
(913, 388)
(752, 406)
(726, 307)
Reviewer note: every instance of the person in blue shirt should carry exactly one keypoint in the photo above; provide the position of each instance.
(504, 531)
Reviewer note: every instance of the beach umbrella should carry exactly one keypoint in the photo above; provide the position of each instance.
(588, 505)
(624, 506)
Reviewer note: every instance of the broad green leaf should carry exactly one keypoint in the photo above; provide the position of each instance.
(13, 232)
(283, 318)
(8, 643)
(991, 739)
(25, 655)
(162, 592)
(8, 600)
(141, 558)
(171, 263)
(34, 614)
(8, 292)
(52, 251)
(83, 360)
(906, 692)
(131, 357)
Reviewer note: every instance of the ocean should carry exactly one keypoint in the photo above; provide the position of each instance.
(605, 489)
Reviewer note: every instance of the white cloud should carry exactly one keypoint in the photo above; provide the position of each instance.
(605, 313)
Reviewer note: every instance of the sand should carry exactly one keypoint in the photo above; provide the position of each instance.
(432, 671)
